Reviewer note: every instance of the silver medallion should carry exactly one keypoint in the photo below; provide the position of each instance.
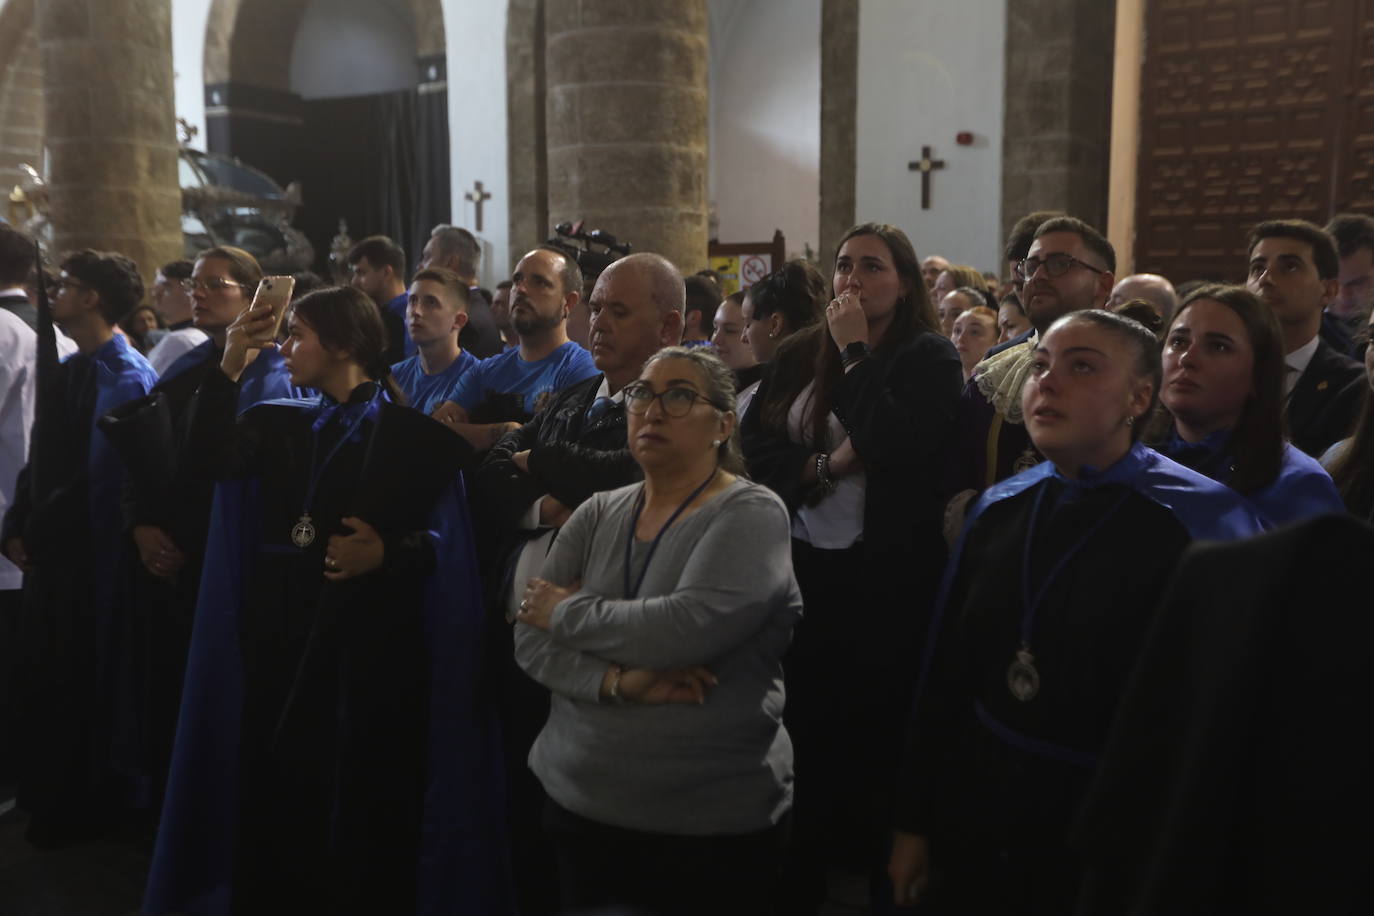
(303, 535)
(1022, 679)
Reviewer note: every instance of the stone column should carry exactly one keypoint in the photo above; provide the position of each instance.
(111, 127)
(839, 121)
(627, 115)
(1057, 123)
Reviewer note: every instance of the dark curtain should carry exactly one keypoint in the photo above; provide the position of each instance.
(381, 162)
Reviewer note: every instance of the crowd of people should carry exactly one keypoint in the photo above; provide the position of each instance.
(622, 591)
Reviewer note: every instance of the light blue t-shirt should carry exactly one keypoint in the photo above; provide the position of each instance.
(426, 392)
(507, 386)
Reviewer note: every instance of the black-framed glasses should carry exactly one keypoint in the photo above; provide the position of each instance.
(677, 402)
(211, 285)
(1056, 265)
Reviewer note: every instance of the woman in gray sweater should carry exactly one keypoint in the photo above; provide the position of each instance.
(658, 625)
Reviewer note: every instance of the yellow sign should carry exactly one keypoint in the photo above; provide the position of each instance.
(728, 268)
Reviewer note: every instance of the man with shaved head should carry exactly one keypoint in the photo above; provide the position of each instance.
(529, 485)
(1153, 288)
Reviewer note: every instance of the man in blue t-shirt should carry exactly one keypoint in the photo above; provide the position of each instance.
(506, 390)
(436, 312)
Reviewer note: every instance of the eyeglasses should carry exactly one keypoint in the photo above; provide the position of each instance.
(1056, 265)
(214, 284)
(677, 402)
(68, 283)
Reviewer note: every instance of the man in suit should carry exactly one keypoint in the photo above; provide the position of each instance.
(528, 486)
(1294, 267)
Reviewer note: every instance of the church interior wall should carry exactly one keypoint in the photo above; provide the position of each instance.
(765, 120)
(928, 71)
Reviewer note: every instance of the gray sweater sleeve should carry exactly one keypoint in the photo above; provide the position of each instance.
(564, 670)
(718, 601)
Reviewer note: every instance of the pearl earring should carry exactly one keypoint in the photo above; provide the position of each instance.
(1130, 421)
(715, 443)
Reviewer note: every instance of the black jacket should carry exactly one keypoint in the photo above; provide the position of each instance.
(1326, 401)
(899, 414)
(572, 456)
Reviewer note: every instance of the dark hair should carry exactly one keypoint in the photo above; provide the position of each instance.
(17, 256)
(507, 284)
(455, 240)
(719, 389)
(1095, 241)
(1148, 360)
(1023, 233)
(796, 290)
(737, 297)
(1324, 256)
(978, 295)
(347, 319)
(380, 252)
(243, 267)
(1144, 311)
(571, 274)
(177, 270)
(1351, 231)
(710, 274)
(913, 315)
(702, 296)
(1257, 437)
(307, 281)
(1353, 468)
(1013, 300)
(114, 278)
(449, 281)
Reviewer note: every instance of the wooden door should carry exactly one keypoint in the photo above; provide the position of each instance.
(1250, 110)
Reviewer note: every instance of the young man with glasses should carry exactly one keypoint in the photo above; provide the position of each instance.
(1068, 267)
(173, 302)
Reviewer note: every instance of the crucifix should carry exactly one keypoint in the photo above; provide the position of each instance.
(925, 167)
(477, 195)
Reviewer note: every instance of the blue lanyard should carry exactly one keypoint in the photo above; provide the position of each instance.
(1030, 603)
(317, 472)
(634, 523)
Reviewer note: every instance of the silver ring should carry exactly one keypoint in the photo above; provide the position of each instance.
(524, 604)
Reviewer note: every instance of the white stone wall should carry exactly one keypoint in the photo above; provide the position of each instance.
(188, 62)
(765, 119)
(929, 69)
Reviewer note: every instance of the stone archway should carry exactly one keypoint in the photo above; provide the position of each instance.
(21, 92)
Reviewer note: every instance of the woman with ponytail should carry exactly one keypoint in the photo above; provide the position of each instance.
(330, 706)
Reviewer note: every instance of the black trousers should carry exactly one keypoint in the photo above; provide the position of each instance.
(654, 874)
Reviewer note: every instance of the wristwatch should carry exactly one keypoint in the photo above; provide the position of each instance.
(854, 352)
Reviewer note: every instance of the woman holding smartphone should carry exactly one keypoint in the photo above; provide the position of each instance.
(330, 705)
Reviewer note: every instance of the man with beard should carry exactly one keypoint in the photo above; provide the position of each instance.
(1068, 268)
(1295, 269)
(504, 391)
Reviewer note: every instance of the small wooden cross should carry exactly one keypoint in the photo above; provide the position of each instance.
(925, 167)
(477, 195)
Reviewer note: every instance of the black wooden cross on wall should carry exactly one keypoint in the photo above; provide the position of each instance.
(477, 195)
(925, 166)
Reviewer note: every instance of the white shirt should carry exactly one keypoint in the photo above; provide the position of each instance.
(18, 362)
(837, 521)
(173, 345)
(1296, 363)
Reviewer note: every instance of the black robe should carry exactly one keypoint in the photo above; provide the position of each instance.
(335, 700)
(992, 781)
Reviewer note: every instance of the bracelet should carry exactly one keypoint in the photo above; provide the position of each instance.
(614, 692)
(823, 475)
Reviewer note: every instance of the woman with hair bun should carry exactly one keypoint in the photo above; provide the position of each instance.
(331, 705)
(1021, 675)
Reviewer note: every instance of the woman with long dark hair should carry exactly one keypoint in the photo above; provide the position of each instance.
(849, 426)
(1045, 605)
(1223, 384)
(790, 299)
(336, 635)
